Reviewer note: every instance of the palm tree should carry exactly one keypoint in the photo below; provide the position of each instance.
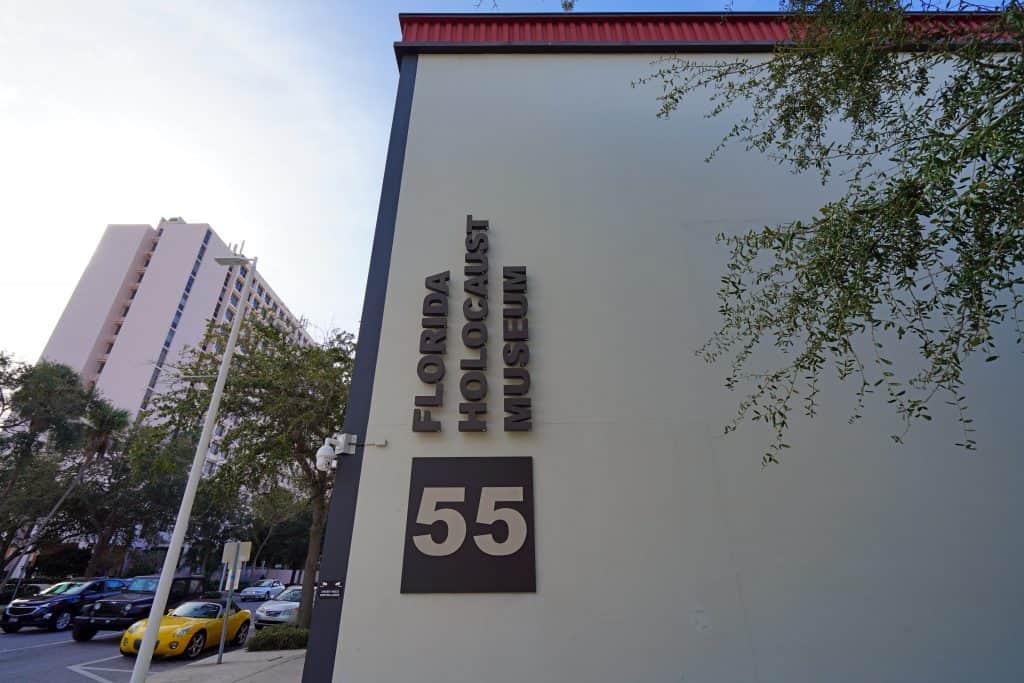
(49, 397)
(101, 427)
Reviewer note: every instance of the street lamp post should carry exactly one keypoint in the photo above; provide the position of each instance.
(156, 612)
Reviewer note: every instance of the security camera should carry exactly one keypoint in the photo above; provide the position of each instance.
(326, 458)
(339, 444)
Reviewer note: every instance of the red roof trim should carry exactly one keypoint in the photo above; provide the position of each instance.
(605, 32)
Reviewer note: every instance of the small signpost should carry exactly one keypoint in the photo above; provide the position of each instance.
(235, 555)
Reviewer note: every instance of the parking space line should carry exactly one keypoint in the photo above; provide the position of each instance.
(103, 668)
(30, 647)
(81, 671)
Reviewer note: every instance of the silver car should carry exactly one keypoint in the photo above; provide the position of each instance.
(284, 609)
(264, 589)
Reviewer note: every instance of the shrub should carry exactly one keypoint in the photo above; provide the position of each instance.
(282, 637)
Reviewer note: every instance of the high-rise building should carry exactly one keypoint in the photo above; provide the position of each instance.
(145, 296)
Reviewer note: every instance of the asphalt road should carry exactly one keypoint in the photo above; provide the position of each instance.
(36, 656)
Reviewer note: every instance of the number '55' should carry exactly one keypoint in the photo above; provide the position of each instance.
(489, 513)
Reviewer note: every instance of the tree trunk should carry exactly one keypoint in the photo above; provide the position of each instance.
(5, 546)
(99, 550)
(316, 534)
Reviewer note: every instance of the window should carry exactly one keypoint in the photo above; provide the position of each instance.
(184, 298)
(132, 295)
(110, 347)
(162, 358)
(266, 298)
(238, 285)
(170, 336)
(195, 267)
(216, 311)
(244, 271)
(259, 290)
(188, 285)
(159, 231)
(176, 320)
(227, 277)
(154, 377)
(234, 299)
(206, 237)
(146, 264)
(214, 449)
(140, 276)
(99, 367)
(229, 315)
(202, 252)
(117, 329)
(124, 312)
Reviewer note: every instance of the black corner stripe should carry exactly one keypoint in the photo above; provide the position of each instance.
(323, 636)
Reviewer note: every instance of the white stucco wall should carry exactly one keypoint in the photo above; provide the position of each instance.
(664, 552)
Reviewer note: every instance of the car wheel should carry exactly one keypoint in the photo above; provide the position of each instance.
(11, 629)
(241, 635)
(82, 633)
(195, 646)
(61, 621)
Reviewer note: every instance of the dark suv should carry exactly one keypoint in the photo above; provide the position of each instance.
(121, 611)
(55, 607)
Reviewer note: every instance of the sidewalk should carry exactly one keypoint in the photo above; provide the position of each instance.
(274, 666)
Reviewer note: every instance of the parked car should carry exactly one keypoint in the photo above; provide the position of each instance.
(55, 607)
(191, 628)
(264, 589)
(284, 609)
(13, 590)
(121, 611)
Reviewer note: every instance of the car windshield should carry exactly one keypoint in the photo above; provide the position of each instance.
(264, 583)
(197, 610)
(64, 587)
(143, 585)
(291, 595)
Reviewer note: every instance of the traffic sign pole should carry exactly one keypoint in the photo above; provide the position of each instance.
(227, 604)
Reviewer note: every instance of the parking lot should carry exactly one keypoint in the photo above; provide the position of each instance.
(36, 656)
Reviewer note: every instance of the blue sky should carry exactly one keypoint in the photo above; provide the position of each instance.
(268, 120)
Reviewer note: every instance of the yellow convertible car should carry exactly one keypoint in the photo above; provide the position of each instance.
(191, 628)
